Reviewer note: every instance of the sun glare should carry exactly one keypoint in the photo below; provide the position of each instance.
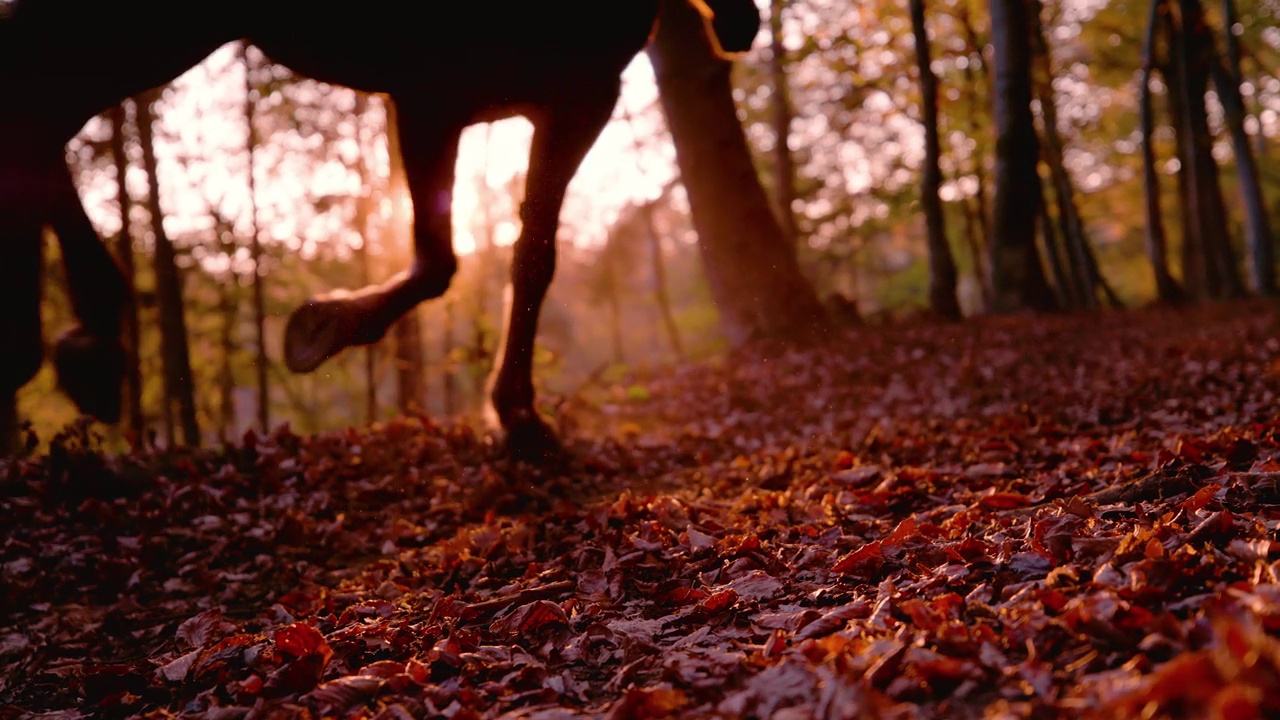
(202, 168)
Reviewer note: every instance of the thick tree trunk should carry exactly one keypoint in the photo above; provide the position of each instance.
(784, 174)
(942, 267)
(179, 389)
(1018, 283)
(131, 328)
(752, 270)
(1157, 245)
(1257, 223)
(261, 362)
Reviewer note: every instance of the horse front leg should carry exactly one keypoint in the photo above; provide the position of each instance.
(89, 358)
(326, 325)
(562, 136)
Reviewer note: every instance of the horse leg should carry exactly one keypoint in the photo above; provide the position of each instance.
(89, 358)
(562, 137)
(22, 205)
(326, 325)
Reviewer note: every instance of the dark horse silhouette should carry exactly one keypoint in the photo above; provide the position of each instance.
(557, 62)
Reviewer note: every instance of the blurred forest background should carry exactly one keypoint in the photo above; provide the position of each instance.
(873, 128)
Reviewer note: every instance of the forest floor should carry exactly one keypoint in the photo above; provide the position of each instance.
(1014, 517)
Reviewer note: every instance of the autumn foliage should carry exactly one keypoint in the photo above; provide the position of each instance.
(1018, 517)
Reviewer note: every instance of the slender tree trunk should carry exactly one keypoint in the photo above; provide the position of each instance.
(1209, 262)
(976, 245)
(261, 362)
(611, 297)
(179, 390)
(1073, 234)
(484, 258)
(752, 270)
(982, 247)
(942, 267)
(662, 298)
(446, 361)
(1017, 280)
(410, 360)
(1167, 289)
(228, 309)
(1234, 55)
(1065, 288)
(365, 212)
(784, 190)
(1257, 223)
(1191, 257)
(131, 334)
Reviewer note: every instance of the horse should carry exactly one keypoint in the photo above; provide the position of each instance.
(557, 62)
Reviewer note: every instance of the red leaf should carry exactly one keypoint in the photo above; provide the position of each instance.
(643, 703)
(537, 616)
(868, 552)
(903, 532)
(339, 695)
(199, 630)
(834, 620)
(718, 602)
(301, 640)
(1201, 497)
(1003, 500)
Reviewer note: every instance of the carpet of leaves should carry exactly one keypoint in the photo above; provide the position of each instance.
(1014, 517)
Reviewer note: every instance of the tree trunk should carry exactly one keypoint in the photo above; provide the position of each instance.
(942, 267)
(179, 389)
(485, 260)
(446, 361)
(1157, 245)
(661, 298)
(261, 362)
(365, 212)
(1209, 266)
(131, 327)
(410, 361)
(982, 247)
(229, 309)
(784, 174)
(752, 271)
(1258, 237)
(1191, 262)
(1066, 289)
(615, 305)
(1073, 234)
(1017, 280)
(1234, 53)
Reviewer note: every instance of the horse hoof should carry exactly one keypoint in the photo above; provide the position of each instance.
(90, 371)
(531, 440)
(316, 331)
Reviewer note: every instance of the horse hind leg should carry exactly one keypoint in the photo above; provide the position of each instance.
(89, 358)
(562, 136)
(21, 265)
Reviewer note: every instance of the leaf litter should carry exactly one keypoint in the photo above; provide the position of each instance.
(1015, 517)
